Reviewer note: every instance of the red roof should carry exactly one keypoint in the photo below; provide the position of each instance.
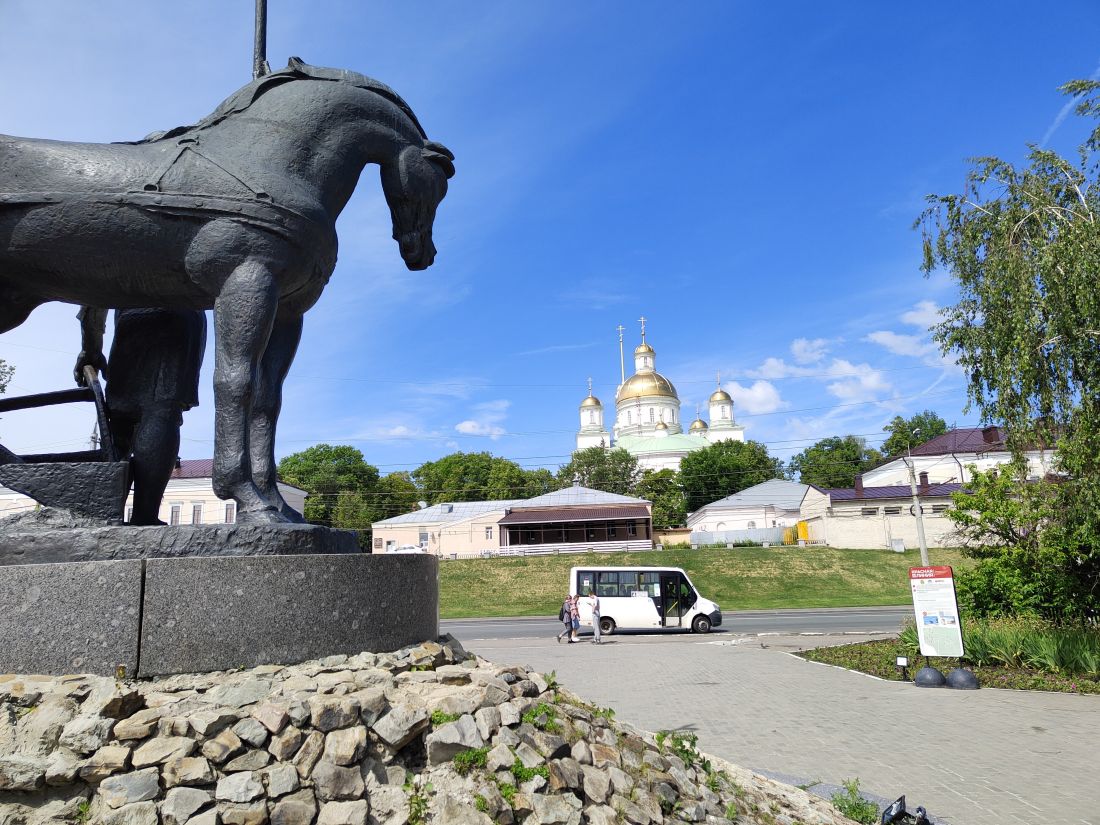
(194, 468)
(964, 440)
(893, 491)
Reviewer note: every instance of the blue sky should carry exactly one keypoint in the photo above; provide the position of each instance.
(745, 175)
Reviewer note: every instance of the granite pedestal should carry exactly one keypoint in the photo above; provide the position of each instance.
(178, 615)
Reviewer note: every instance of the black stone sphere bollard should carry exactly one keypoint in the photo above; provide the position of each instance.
(928, 676)
(962, 679)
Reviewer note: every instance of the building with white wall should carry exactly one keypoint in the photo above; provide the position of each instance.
(188, 499)
(647, 421)
(947, 458)
(774, 503)
(872, 517)
(570, 520)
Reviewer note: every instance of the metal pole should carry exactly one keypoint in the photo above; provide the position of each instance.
(259, 48)
(917, 513)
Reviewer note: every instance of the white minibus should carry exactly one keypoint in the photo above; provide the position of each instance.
(643, 598)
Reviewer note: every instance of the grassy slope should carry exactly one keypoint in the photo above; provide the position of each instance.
(744, 578)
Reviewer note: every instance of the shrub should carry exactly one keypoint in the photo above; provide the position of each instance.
(466, 761)
(441, 718)
(854, 806)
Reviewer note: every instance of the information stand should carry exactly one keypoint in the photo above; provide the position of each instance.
(936, 610)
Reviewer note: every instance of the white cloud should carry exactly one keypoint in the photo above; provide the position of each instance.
(924, 314)
(860, 382)
(486, 420)
(773, 368)
(762, 397)
(807, 351)
(915, 346)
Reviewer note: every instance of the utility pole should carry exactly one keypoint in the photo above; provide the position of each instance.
(622, 362)
(917, 512)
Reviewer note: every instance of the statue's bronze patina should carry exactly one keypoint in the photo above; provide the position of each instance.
(236, 213)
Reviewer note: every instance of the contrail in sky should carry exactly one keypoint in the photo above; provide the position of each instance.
(1064, 113)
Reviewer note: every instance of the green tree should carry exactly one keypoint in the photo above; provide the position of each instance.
(455, 477)
(663, 488)
(325, 471)
(1022, 247)
(613, 471)
(394, 495)
(834, 461)
(6, 371)
(909, 432)
(725, 468)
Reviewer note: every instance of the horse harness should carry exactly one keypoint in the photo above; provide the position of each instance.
(259, 209)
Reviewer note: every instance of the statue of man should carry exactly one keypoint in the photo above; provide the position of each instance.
(152, 377)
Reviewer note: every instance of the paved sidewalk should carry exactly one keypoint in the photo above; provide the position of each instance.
(983, 757)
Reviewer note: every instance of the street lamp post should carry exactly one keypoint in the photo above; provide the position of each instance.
(917, 511)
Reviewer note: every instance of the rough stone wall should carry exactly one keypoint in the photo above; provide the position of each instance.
(426, 734)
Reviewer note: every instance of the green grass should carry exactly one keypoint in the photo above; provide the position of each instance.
(878, 659)
(746, 578)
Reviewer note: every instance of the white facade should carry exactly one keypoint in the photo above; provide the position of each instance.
(947, 458)
(870, 524)
(648, 422)
(775, 503)
(188, 499)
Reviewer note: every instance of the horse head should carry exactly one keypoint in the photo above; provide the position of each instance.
(414, 186)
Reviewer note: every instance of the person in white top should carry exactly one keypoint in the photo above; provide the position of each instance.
(594, 603)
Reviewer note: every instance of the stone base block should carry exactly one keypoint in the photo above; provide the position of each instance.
(220, 613)
(37, 539)
(70, 618)
(163, 616)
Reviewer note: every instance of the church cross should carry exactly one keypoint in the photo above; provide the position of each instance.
(590, 385)
(642, 322)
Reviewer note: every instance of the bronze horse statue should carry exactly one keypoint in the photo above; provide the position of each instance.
(236, 213)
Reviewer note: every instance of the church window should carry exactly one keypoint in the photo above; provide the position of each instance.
(752, 525)
(628, 421)
(651, 415)
(591, 416)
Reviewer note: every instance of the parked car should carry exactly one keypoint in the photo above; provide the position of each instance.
(406, 548)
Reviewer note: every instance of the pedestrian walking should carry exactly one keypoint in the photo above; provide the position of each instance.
(594, 603)
(575, 614)
(565, 616)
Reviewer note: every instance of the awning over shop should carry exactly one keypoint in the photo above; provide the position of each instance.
(570, 514)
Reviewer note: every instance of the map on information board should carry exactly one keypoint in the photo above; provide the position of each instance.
(936, 611)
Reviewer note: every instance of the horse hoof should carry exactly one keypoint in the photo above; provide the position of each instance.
(262, 515)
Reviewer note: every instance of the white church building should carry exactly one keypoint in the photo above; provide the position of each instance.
(647, 417)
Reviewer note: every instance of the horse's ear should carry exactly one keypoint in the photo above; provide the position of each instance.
(295, 63)
(441, 156)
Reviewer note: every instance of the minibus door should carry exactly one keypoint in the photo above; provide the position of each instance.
(672, 605)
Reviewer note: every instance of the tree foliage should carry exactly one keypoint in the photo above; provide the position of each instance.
(6, 371)
(909, 432)
(834, 461)
(478, 477)
(325, 471)
(725, 468)
(1023, 248)
(613, 471)
(663, 488)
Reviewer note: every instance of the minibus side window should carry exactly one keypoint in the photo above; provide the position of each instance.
(607, 584)
(651, 584)
(687, 594)
(585, 580)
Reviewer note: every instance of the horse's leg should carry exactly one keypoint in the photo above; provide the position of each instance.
(15, 307)
(266, 403)
(244, 312)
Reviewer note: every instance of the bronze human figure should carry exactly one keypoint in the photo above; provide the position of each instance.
(152, 379)
(236, 213)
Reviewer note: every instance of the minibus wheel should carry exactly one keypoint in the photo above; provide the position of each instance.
(701, 624)
(607, 626)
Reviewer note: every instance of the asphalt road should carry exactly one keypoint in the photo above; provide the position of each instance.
(818, 620)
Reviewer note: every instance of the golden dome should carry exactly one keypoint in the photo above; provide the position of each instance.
(591, 401)
(643, 384)
(698, 426)
(643, 349)
(661, 425)
(720, 395)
